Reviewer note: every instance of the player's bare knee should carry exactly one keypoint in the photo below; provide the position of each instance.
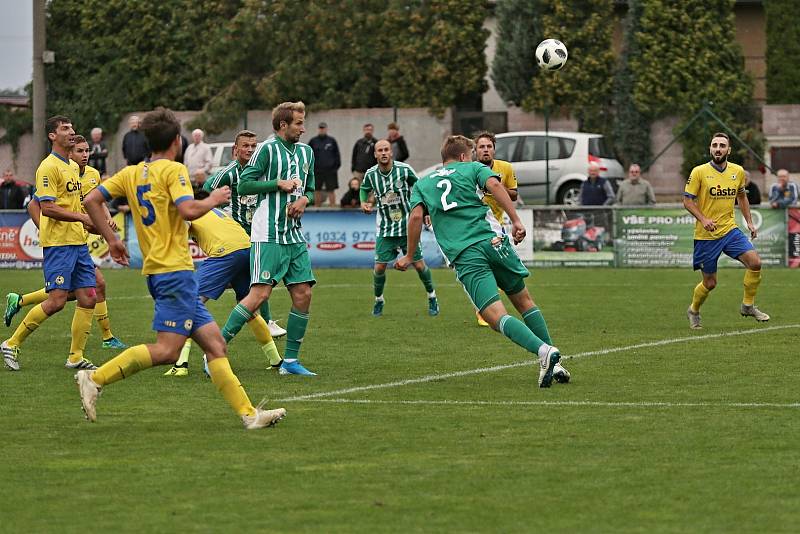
(380, 268)
(301, 296)
(710, 283)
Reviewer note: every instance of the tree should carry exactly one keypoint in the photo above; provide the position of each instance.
(783, 52)
(518, 33)
(15, 121)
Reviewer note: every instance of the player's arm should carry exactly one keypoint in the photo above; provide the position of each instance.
(689, 195)
(95, 206)
(190, 208)
(511, 186)
(217, 181)
(34, 211)
(296, 209)
(363, 195)
(50, 209)
(501, 196)
(744, 207)
(415, 219)
(250, 182)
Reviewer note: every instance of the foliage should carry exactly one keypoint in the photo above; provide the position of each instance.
(518, 33)
(15, 121)
(783, 52)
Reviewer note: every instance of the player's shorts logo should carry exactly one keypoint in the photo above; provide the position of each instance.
(187, 325)
(59, 280)
(265, 274)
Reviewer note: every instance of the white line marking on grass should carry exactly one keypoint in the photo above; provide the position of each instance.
(481, 370)
(602, 404)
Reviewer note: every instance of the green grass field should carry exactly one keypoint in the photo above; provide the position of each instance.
(662, 429)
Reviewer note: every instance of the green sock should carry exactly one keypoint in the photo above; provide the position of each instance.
(236, 320)
(535, 321)
(379, 280)
(516, 331)
(295, 332)
(265, 311)
(427, 279)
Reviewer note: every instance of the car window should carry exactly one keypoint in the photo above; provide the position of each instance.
(567, 146)
(227, 155)
(533, 148)
(599, 148)
(505, 148)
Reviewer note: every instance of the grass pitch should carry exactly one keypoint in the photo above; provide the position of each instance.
(421, 424)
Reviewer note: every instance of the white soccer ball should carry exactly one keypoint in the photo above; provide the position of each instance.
(551, 54)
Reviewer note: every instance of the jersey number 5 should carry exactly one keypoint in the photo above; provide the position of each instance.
(447, 188)
(150, 218)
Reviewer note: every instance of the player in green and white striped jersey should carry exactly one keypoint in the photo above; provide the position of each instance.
(242, 207)
(390, 182)
(281, 173)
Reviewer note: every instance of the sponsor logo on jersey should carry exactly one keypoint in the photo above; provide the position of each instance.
(720, 191)
(187, 324)
(59, 280)
(265, 275)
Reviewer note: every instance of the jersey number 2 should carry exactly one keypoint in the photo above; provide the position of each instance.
(447, 188)
(150, 218)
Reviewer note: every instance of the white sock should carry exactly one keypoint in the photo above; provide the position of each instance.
(379, 299)
(432, 294)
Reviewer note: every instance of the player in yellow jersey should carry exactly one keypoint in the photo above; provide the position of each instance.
(710, 194)
(227, 246)
(66, 264)
(161, 200)
(90, 178)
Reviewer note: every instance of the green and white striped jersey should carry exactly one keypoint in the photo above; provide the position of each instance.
(392, 194)
(273, 160)
(241, 207)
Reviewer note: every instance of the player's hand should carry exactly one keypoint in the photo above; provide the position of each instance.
(118, 252)
(89, 225)
(753, 230)
(402, 263)
(518, 231)
(709, 224)
(287, 186)
(296, 209)
(366, 207)
(220, 196)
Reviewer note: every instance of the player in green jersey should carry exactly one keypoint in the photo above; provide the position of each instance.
(242, 207)
(474, 242)
(390, 182)
(281, 173)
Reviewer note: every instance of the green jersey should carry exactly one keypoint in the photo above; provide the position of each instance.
(392, 194)
(273, 160)
(453, 197)
(241, 207)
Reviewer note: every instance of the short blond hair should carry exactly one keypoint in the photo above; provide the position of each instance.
(284, 112)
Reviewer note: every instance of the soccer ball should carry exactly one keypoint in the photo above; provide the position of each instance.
(551, 54)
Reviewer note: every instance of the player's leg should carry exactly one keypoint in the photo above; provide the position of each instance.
(275, 330)
(110, 341)
(378, 285)
(424, 274)
(299, 279)
(10, 348)
(83, 284)
(752, 279)
(705, 257)
(15, 302)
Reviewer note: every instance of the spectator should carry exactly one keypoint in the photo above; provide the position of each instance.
(351, 198)
(784, 193)
(98, 152)
(596, 191)
(327, 161)
(184, 146)
(134, 145)
(635, 190)
(12, 195)
(198, 158)
(363, 153)
(753, 193)
(399, 148)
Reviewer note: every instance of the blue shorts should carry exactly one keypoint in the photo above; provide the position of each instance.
(216, 274)
(68, 267)
(707, 252)
(178, 308)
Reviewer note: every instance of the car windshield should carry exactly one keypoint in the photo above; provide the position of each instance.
(226, 157)
(599, 148)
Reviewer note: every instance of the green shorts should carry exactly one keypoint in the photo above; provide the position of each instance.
(483, 267)
(388, 248)
(272, 262)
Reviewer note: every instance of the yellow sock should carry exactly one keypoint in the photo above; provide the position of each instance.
(127, 363)
(229, 386)
(184, 357)
(37, 297)
(699, 296)
(751, 281)
(31, 322)
(81, 326)
(101, 316)
(261, 332)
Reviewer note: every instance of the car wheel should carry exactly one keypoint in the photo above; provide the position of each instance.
(569, 194)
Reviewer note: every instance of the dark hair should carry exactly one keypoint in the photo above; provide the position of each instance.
(393, 126)
(243, 133)
(455, 145)
(80, 139)
(160, 127)
(368, 124)
(284, 112)
(721, 134)
(486, 135)
(53, 123)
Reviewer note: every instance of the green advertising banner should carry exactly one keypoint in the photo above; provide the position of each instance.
(657, 237)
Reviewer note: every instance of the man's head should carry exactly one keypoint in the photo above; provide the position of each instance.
(134, 122)
(60, 132)
(368, 130)
(163, 131)
(197, 136)
(383, 153)
(288, 120)
(393, 131)
(355, 184)
(457, 148)
(484, 147)
(244, 144)
(783, 177)
(323, 129)
(594, 170)
(8, 175)
(634, 172)
(720, 148)
(97, 135)
(79, 153)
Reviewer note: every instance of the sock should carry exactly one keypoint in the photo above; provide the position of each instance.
(37, 297)
(751, 281)
(236, 320)
(516, 331)
(184, 357)
(535, 322)
(81, 326)
(295, 332)
(378, 280)
(229, 386)
(261, 332)
(125, 364)
(31, 322)
(101, 316)
(699, 296)
(427, 280)
(266, 313)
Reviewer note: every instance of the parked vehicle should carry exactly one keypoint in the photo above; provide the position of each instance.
(221, 155)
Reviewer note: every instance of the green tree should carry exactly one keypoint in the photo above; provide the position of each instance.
(783, 52)
(15, 121)
(518, 33)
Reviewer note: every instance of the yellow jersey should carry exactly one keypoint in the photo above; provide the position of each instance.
(509, 181)
(218, 234)
(57, 180)
(89, 180)
(154, 189)
(715, 194)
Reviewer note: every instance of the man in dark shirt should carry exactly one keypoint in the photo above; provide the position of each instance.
(364, 153)
(399, 147)
(98, 152)
(12, 195)
(327, 161)
(596, 191)
(134, 144)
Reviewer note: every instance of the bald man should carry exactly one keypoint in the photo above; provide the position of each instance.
(198, 158)
(596, 191)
